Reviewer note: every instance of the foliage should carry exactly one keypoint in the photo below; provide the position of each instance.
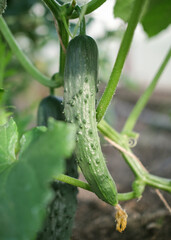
(24, 191)
(155, 17)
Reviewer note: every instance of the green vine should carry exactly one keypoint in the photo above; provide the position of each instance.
(64, 38)
(86, 186)
(24, 61)
(133, 116)
(136, 166)
(90, 7)
(123, 51)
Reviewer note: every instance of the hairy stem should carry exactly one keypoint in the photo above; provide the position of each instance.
(109, 132)
(25, 62)
(73, 181)
(134, 115)
(136, 166)
(158, 182)
(86, 186)
(118, 66)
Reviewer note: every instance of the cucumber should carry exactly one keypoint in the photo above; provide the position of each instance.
(80, 86)
(50, 106)
(61, 211)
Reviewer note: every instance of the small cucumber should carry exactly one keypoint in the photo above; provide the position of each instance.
(50, 106)
(80, 86)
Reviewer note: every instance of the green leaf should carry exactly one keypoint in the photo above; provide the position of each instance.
(8, 143)
(123, 9)
(49, 145)
(157, 17)
(24, 188)
(30, 136)
(20, 203)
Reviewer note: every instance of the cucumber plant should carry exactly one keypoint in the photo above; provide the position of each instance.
(78, 66)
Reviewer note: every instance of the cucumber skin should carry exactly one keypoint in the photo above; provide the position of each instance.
(80, 81)
(61, 211)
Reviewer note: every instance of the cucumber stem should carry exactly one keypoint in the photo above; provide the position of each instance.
(77, 183)
(109, 132)
(81, 21)
(141, 103)
(158, 182)
(121, 57)
(136, 166)
(23, 59)
(90, 7)
(65, 39)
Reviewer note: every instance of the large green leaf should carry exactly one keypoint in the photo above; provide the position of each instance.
(8, 143)
(123, 9)
(155, 17)
(22, 204)
(24, 187)
(30, 136)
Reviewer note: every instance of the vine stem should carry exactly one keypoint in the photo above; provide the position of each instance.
(110, 133)
(77, 183)
(25, 62)
(64, 39)
(90, 7)
(133, 117)
(81, 20)
(118, 66)
(53, 6)
(136, 166)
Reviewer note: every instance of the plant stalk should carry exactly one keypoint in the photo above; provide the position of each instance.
(158, 182)
(138, 169)
(23, 59)
(141, 103)
(63, 46)
(109, 132)
(86, 186)
(90, 7)
(121, 57)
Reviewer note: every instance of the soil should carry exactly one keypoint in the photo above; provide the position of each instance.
(148, 218)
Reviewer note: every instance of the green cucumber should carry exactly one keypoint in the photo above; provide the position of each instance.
(61, 211)
(80, 86)
(50, 106)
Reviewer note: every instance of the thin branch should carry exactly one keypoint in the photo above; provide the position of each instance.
(141, 103)
(23, 59)
(57, 30)
(123, 150)
(86, 186)
(163, 200)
